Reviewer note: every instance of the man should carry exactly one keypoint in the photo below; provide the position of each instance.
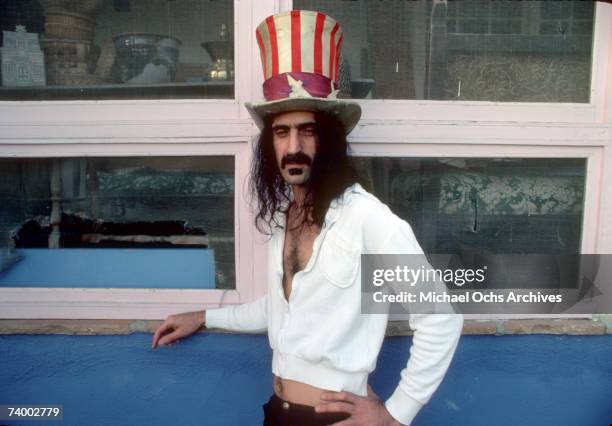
(320, 221)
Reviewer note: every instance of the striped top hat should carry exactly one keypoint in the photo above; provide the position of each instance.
(300, 55)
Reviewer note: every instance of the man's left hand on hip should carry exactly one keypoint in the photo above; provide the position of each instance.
(364, 410)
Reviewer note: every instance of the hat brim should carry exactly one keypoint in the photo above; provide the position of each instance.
(347, 112)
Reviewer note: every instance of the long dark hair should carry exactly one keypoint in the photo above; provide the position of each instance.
(331, 174)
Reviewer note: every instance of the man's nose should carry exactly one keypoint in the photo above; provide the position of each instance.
(295, 141)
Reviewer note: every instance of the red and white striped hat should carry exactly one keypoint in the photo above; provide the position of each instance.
(300, 54)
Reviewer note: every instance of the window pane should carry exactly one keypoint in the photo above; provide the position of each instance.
(474, 50)
(121, 49)
(133, 222)
(484, 205)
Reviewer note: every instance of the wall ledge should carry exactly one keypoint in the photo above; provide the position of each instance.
(394, 328)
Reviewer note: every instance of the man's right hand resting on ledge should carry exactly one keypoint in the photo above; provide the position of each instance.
(178, 326)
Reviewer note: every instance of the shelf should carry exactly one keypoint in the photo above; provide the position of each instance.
(219, 90)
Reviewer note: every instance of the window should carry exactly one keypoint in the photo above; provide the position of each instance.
(479, 50)
(120, 49)
(189, 188)
(138, 222)
(416, 136)
(496, 205)
(484, 211)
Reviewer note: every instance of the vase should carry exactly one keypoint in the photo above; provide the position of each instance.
(70, 55)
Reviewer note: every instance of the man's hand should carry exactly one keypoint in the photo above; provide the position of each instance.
(176, 327)
(364, 410)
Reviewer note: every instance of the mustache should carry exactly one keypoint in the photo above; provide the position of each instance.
(297, 158)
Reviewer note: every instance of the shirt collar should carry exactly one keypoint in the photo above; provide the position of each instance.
(334, 210)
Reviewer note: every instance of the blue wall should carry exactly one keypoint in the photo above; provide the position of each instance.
(223, 379)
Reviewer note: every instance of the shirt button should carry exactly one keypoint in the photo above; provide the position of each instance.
(285, 405)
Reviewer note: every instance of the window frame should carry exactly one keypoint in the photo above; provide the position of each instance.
(223, 127)
(142, 303)
(514, 145)
(593, 111)
(172, 127)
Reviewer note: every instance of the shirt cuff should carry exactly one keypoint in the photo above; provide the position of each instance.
(402, 407)
(216, 318)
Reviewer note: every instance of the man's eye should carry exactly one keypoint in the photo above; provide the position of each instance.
(308, 131)
(281, 133)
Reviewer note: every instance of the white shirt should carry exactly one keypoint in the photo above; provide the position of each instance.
(320, 337)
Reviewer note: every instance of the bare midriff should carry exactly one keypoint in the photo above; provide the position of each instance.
(297, 392)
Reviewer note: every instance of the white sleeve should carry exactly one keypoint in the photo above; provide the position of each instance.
(435, 335)
(433, 345)
(249, 317)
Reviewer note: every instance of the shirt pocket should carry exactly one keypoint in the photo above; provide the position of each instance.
(339, 261)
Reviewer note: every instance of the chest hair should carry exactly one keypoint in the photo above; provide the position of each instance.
(299, 240)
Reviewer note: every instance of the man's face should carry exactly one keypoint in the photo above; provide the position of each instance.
(295, 141)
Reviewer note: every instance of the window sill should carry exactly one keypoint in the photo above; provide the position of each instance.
(520, 326)
(599, 326)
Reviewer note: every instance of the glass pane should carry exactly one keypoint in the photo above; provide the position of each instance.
(484, 205)
(473, 50)
(133, 222)
(120, 49)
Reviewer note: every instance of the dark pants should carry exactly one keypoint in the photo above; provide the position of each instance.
(283, 413)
